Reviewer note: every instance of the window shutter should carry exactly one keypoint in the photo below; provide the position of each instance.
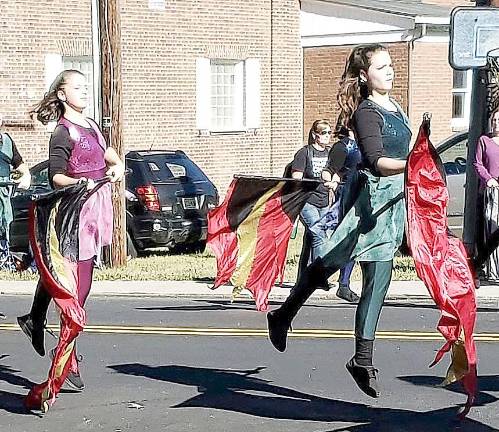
(238, 115)
(203, 93)
(53, 67)
(253, 100)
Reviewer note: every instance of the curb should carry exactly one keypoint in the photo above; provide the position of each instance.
(399, 290)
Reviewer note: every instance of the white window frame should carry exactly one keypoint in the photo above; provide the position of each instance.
(463, 122)
(74, 62)
(55, 64)
(247, 96)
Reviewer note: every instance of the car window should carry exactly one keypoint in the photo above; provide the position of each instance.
(162, 168)
(454, 158)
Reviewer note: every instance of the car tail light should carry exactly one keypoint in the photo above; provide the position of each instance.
(148, 195)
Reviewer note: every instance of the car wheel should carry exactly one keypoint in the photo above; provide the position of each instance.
(130, 247)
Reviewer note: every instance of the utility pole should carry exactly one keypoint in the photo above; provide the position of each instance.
(108, 27)
(477, 127)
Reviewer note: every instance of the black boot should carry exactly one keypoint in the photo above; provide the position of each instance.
(34, 332)
(33, 324)
(278, 329)
(361, 368)
(344, 292)
(279, 321)
(365, 377)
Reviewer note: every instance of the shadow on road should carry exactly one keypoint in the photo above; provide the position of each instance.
(485, 383)
(13, 402)
(209, 305)
(241, 391)
(412, 305)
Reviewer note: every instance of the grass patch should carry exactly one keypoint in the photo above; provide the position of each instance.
(202, 267)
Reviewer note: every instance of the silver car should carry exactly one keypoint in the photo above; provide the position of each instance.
(453, 152)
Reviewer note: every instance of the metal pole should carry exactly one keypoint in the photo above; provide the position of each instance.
(478, 125)
(96, 61)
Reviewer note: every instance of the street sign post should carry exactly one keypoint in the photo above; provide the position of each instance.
(474, 40)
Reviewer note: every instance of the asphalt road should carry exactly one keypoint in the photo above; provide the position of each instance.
(157, 364)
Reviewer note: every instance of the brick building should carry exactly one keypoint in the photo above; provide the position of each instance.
(221, 80)
(417, 35)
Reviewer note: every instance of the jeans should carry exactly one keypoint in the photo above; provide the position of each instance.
(310, 215)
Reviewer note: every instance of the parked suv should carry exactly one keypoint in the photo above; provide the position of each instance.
(167, 200)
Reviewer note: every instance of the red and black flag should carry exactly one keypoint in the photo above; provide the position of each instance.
(249, 232)
(441, 262)
(54, 232)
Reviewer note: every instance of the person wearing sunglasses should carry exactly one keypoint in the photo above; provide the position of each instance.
(308, 163)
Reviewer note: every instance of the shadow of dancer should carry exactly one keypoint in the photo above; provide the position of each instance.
(235, 390)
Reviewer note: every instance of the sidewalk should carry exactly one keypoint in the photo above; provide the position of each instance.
(409, 290)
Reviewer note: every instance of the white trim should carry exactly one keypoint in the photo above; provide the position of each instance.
(253, 93)
(356, 38)
(365, 14)
(356, 13)
(53, 67)
(238, 112)
(432, 20)
(463, 123)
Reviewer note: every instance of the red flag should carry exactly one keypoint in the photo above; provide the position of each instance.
(54, 226)
(249, 232)
(441, 262)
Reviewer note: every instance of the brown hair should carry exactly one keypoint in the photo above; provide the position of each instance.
(51, 108)
(313, 129)
(351, 90)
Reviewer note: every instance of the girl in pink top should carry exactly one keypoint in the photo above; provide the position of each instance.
(487, 167)
(77, 153)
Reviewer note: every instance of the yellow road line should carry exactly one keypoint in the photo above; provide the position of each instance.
(243, 332)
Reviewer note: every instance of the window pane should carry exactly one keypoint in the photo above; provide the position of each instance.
(458, 105)
(459, 79)
(223, 94)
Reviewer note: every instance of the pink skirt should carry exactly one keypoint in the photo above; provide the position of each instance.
(96, 223)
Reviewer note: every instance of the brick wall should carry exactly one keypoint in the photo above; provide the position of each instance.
(287, 83)
(431, 88)
(323, 67)
(28, 31)
(160, 49)
(159, 78)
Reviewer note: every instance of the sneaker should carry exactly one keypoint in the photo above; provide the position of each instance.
(35, 333)
(2, 316)
(74, 378)
(344, 292)
(365, 377)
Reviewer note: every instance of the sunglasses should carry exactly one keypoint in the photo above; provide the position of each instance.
(325, 132)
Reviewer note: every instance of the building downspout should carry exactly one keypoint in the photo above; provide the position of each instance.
(418, 32)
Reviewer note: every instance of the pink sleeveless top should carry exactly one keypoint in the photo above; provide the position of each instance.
(87, 160)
